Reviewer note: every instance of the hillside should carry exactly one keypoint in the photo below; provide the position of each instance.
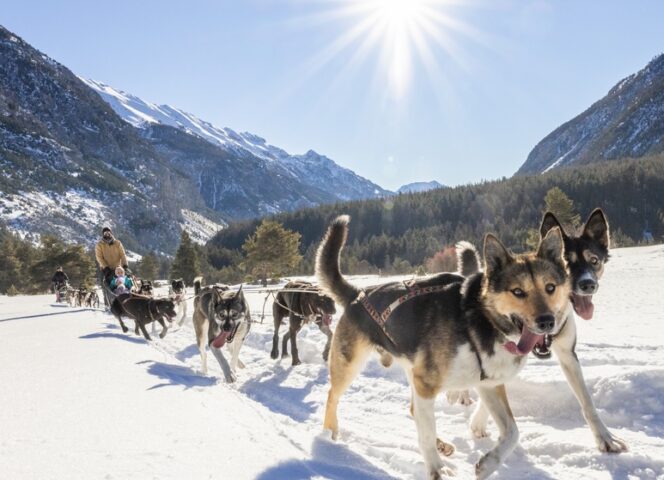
(627, 123)
(70, 164)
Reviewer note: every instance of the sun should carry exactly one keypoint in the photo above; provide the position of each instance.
(401, 33)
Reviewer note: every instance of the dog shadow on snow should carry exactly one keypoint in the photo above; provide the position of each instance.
(176, 375)
(290, 401)
(328, 460)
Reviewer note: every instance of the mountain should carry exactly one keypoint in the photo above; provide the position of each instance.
(419, 187)
(627, 123)
(70, 164)
(316, 171)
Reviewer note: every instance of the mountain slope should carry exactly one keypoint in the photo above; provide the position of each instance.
(627, 122)
(311, 169)
(70, 164)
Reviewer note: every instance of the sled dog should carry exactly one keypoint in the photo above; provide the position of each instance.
(221, 316)
(448, 332)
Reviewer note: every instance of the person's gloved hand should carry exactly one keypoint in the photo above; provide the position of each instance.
(107, 271)
(126, 269)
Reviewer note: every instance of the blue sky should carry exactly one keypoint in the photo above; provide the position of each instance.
(506, 73)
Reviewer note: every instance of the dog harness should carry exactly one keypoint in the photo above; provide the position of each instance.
(382, 317)
(413, 291)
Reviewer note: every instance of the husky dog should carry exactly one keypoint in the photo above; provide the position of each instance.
(177, 292)
(146, 288)
(143, 310)
(586, 253)
(475, 331)
(220, 315)
(301, 302)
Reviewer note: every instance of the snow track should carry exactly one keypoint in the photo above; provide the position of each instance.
(87, 401)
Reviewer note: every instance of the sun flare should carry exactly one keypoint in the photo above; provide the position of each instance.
(402, 33)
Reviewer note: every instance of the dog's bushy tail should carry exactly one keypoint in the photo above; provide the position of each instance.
(327, 263)
(197, 285)
(468, 259)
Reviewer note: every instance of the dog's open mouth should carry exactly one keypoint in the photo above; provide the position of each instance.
(220, 340)
(327, 319)
(583, 305)
(224, 337)
(527, 342)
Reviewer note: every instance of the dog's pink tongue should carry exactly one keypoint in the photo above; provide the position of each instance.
(526, 342)
(583, 306)
(327, 319)
(220, 340)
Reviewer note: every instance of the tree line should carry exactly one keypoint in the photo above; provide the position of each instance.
(404, 231)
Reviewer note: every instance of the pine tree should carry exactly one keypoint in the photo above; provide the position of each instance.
(272, 251)
(186, 264)
(54, 253)
(9, 265)
(148, 267)
(558, 203)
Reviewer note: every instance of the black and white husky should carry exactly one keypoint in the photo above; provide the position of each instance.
(177, 293)
(586, 253)
(221, 317)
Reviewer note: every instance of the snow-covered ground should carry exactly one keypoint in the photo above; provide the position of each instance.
(80, 399)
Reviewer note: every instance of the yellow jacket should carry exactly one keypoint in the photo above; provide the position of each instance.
(110, 255)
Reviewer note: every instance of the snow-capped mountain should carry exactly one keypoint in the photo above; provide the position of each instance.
(69, 164)
(627, 123)
(416, 187)
(313, 169)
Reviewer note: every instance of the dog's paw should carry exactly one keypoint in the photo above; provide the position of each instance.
(296, 362)
(486, 466)
(240, 364)
(125, 329)
(609, 443)
(274, 354)
(459, 396)
(444, 448)
(231, 378)
(464, 398)
(453, 396)
(479, 429)
(441, 472)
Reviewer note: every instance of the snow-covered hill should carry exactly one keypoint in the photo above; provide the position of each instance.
(83, 400)
(627, 123)
(419, 187)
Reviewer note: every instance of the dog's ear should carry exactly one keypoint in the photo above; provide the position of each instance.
(239, 291)
(496, 256)
(597, 228)
(552, 246)
(550, 221)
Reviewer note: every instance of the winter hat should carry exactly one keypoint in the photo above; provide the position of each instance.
(119, 271)
(106, 229)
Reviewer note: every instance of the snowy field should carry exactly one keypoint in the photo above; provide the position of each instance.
(80, 399)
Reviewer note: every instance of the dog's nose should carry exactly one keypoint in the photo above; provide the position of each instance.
(588, 286)
(545, 322)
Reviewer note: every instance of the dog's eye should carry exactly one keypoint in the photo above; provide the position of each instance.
(594, 260)
(550, 288)
(518, 293)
